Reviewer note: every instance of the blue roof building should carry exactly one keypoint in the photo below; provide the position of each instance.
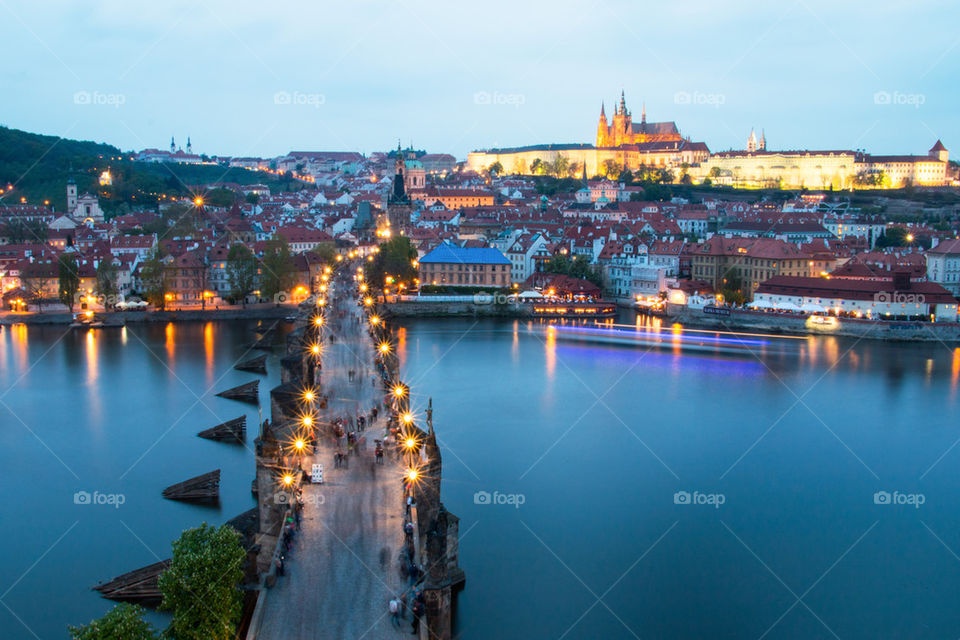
(450, 265)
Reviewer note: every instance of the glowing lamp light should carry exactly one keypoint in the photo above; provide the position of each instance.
(368, 301)
(308, 396)
(375, 320)
(299, 444)
(318, 321)
(409, 443)
(198, 201)
(315, 349)
(384, 348)
(288, 479)
(398, 391)
(307, 421)
(339, 258)
(407, 418)
(412, 475)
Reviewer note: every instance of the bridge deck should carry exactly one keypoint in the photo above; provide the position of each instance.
(343, 568)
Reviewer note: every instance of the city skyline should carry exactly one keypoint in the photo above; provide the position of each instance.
(811, 75)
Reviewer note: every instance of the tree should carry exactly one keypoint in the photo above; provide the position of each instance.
(153, 275)
(123, 621)
(577, 267)
(252, 198)
(326, 251)
(68, 272)
(537, 167)
(610, 168)
(495, 169)
(715, 172)
(657, 192)
(519, 167)
(276, 268)
(219, 197)
(106, 281)
(241, 272)
(561, 166)
(395, 260)
(33, 279)
(201, 585)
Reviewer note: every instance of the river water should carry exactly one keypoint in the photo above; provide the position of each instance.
(716, 487)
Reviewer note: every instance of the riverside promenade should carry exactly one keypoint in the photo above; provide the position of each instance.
(344, 565)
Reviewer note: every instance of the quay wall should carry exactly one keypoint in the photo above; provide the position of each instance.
(186, 315)
(786, 324)
(458, 310)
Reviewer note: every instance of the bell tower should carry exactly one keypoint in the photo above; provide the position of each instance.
(603, 129)
(71, 196)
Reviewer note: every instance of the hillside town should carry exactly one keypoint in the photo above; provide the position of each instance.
(589, 238)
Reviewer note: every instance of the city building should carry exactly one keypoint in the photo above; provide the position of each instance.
(876, 299)
(745, 263)
(943, 265)
(450, 265)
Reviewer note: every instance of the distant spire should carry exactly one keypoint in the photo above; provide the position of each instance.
(643, 113)
(173, 145)
(603, 112)
(623, 103)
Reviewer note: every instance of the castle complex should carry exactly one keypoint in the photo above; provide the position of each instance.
(623, 143)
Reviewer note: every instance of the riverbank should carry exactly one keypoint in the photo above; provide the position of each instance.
(256, 312)
(727, 319)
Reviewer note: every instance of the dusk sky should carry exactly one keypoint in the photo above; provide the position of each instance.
(262, 79)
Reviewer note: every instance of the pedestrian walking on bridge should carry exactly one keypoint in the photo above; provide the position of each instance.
(394, 608)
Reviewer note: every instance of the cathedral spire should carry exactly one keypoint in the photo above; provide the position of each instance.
(603, 111)
(643, 113)
(623, 104)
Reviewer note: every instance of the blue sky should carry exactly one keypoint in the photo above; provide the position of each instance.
(262, 79)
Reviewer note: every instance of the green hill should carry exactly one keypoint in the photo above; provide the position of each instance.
(38, 167)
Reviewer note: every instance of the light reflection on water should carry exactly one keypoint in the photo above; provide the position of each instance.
(115, 411)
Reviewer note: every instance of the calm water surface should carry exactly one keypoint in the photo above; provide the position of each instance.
(597, 441)
(797, 436)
